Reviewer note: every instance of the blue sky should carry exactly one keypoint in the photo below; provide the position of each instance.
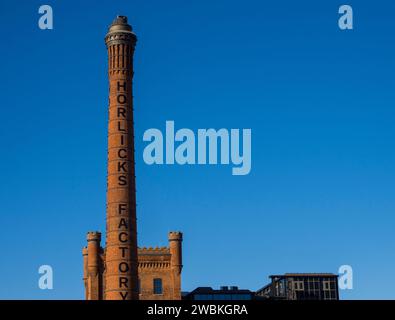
(319, 101)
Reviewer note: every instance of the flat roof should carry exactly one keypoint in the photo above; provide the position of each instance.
(304, 275)
(209, 290)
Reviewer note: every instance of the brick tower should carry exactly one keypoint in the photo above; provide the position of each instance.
(121, 279)
(122, 271)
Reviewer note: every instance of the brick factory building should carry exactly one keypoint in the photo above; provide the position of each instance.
(159, 269)
(121, 270)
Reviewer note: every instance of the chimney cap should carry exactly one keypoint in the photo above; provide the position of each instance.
(120, 23)
(120, 20)
(120, 32)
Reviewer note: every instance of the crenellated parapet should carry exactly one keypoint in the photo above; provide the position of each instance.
(175, 236)
(152, 250)
(154, 258)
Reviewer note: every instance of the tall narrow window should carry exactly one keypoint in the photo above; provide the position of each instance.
(158, 286)
(298, 285)
(326, 285)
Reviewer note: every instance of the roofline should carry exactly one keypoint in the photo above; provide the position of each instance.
(289, 275)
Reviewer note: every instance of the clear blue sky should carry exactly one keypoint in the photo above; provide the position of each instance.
(320, 103)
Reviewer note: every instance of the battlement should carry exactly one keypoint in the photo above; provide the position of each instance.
(175, 236)
(93, 236)
(152, 250)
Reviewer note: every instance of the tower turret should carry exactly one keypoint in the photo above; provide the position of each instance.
(94, 269)
(85, 277)
(175, 244)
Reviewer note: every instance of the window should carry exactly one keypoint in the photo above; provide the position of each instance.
(298, 285)
(158, 286)
(326, 285)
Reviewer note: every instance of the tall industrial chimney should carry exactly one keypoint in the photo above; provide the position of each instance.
(121, 279)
